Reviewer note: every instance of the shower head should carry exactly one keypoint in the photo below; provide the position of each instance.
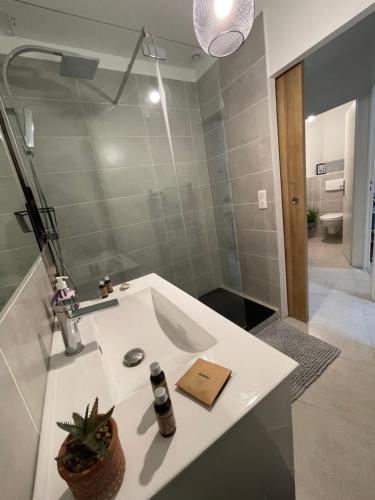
(77, 66)
(72, 65)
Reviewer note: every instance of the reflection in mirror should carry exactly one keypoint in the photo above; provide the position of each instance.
(18, 250)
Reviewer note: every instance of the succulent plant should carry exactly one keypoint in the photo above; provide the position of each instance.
(86, 437)
(312, 215)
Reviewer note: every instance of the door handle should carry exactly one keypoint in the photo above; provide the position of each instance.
(295, 200)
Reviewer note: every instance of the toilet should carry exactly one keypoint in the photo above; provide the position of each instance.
(332, 222)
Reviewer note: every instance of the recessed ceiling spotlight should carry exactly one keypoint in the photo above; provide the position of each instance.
(154, 96)
(311, 119)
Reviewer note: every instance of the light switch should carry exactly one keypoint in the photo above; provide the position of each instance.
(262, 200)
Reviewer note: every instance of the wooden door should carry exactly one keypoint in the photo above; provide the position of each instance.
(291, 129)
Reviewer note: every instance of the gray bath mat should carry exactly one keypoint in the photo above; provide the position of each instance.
(312, 354)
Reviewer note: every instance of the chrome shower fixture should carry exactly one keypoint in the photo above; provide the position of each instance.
(151, 50)
(72, 64)
(77, 66)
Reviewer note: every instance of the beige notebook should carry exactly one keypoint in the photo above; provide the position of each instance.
(204, 380)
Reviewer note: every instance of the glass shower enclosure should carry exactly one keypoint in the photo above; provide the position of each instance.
(131, 174)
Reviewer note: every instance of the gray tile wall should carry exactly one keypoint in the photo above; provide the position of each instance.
(25, 343)
(233, 96)
(18, 250)
(123, 207)
(324, 201)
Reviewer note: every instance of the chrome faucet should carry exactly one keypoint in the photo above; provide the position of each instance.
(69, 316)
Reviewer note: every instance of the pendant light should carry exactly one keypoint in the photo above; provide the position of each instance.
(222, 26)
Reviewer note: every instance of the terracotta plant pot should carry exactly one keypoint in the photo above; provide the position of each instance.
(103, 480)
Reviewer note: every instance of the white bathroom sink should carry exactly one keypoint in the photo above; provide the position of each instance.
(148, 320)
(174, 329)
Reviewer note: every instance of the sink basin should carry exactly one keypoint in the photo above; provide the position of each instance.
(175, 329)
(148, 320)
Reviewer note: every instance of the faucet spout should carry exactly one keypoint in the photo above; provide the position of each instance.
(69, 317)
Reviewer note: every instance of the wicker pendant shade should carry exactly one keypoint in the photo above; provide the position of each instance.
(222, 26)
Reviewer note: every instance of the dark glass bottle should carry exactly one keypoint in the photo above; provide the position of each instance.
(103, 289)
(108, 283)
(157, 377)
(164, 413)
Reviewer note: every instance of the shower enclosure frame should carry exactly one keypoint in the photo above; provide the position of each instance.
(30, 202)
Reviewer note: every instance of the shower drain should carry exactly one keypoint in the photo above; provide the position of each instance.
(134, 357)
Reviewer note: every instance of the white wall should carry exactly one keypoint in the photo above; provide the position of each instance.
(294, 27)
(325, 138)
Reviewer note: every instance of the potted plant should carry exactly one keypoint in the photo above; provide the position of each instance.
(312, 217)
(91, 459)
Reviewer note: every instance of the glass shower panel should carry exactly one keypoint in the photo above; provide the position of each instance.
(18, 250)
(146, 185)
(93, 159)
(200, 166)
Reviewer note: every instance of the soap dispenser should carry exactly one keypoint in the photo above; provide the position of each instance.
(65, 305)
(64, 295)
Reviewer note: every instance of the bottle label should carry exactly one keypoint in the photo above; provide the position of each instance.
(166, 422)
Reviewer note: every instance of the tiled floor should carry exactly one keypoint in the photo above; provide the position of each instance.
(334, 420)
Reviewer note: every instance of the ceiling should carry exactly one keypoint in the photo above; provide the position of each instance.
(72, 21)
(111, 26)
(132, 14)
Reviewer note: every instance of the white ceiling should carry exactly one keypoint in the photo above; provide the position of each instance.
(172, 19)
(46, 19)
(111, 27)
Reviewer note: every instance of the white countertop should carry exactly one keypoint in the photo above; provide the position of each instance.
(153, 461)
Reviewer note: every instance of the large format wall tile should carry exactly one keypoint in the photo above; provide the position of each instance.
(18, 441)
(250, 125)
(10, 196)
(86, 248)
(262, 243)
(122, 151)
(118, 182)
(143, 234)
(74, 187)
(107, 120)
(245, 189)
(209, 84)
(73, 220)
(260, 267)
(132, 209)
(53, 118)
(176, 93)
(250, 158)
(154, 120)
(249, 89)
(253, 49)
(15, 263)
(248, 216)
(6, 293)
(63, 154)
(25, 338)
(11, 234)
(105, 85)
(25, 343)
